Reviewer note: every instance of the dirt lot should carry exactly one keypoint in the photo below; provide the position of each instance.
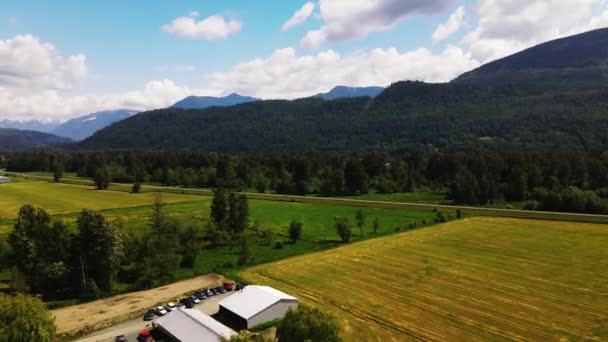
(88, 317)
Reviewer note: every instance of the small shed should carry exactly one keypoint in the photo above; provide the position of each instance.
(191, 325)
(255, 305)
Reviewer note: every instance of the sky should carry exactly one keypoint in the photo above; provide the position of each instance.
(61, 59)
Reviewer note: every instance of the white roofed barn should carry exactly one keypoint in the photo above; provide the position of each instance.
(255, 305)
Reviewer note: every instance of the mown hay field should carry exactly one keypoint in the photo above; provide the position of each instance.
(480, 279)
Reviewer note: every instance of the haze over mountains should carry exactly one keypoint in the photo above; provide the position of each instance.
(483, 107)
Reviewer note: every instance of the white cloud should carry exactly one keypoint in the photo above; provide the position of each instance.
(286, 75)
(193, 14)
(299, 16)
(507, 26)
(351, 19)
(50, 105)
(211, 28)
(28, 64)
(451, 26)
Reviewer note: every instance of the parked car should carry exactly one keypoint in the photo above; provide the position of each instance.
(229, 286)
(170, 306)
(195, 299)
(187, 302)
(210, 293)
(160, 311)
(144, 336)
(121, 338)
(149, 315)
(200, 294)
(221, 289)
(239, 286)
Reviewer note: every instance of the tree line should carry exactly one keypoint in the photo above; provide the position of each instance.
(560, 181)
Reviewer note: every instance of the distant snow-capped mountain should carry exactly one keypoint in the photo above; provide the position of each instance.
(83, 127)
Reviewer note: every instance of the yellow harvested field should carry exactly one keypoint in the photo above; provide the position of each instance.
(479, 279)
(82, 318)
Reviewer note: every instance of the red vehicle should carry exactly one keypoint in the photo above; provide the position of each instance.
(144, 336)
(229, 286)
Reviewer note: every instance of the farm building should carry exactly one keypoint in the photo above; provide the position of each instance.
(4, 180)
(255, 305)
(190, 325)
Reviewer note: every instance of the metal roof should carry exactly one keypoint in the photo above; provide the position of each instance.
(191, 325)
(254, 299)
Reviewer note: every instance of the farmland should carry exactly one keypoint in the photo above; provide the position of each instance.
(65, 201)
(474, 279)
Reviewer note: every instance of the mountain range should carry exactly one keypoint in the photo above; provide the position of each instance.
(348, 92)
(513, 102)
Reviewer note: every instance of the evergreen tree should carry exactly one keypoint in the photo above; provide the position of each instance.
(360, 220)
(343, 228)
(219, 206)
(295, 231)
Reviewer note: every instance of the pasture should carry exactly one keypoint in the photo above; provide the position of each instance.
(59, 198)
(475, 279)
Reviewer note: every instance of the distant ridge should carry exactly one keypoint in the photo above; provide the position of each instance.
(202, 102)
(348, 92)
(83, 127)
(14, 139)
(30, 125)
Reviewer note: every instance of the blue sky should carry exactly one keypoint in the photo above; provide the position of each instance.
(146, 54)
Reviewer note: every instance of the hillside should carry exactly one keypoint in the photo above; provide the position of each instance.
(83, 127)
(579, 61)
(201, 102)
(13, 139)
(486, 110)
(347, 92)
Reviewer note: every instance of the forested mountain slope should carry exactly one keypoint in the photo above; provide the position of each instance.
(14, 139)
(579, 61)
(486, 107)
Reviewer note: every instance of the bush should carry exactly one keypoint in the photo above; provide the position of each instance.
(308, 324)
(295, 231)
(278, 245)
(343, 228)
(136, 188)
(24, 319)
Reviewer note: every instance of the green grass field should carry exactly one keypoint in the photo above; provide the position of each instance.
(65, 201)
(66, 198)
(479, 279)
(430, 197)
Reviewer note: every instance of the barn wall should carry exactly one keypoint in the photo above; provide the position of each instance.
(276, 311)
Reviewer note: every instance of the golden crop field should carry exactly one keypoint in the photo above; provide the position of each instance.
(474, 279)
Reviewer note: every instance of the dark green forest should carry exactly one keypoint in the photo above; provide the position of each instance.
(554, 181)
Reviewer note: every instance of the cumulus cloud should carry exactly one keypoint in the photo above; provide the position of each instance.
(50, 105)
(299, 16)
(351, 19)
(451, 26)
(28, 64)
(284, 74)
(505, 27)
(211, 28)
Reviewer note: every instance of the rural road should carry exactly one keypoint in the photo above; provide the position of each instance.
(559, 216)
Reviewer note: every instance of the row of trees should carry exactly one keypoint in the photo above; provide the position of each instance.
(479, 177)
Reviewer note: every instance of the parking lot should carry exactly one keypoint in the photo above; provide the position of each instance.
(131, 328)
